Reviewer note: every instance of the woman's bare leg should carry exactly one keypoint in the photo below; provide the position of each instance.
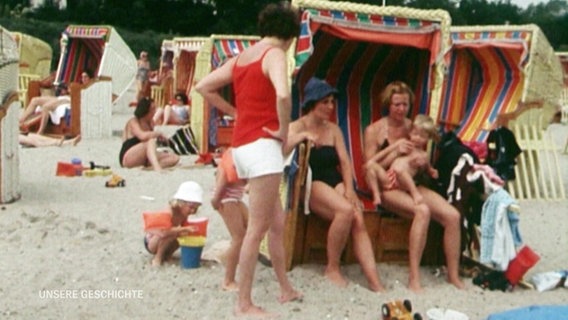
(167, 160)
(167, 114)
(152, 154)
(331, 205)
(263, 194)
(135, 156)
(43, 121)
(72, 142)
(402, 203)
(364, 252)
(449, 217)
(158, 116)
(32, 106)
(278, 256)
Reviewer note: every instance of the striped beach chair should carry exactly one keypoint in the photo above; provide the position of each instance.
(493, 72)
(99, 49)
(359, 49)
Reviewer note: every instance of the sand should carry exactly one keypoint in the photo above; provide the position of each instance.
(72, 248)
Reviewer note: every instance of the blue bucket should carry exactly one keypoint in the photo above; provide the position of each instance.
(190, 257)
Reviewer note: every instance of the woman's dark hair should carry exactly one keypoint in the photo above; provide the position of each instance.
(182, 96)
(88, 72)
(143, 107)
(279, 20)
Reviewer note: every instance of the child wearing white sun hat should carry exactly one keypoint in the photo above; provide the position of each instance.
(161, 237)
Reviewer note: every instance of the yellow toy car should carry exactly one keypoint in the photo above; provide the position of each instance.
(399, 310)
(115, 181)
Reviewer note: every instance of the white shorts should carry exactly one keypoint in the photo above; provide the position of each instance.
(258, 158)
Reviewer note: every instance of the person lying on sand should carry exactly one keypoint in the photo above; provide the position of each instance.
(38, 140)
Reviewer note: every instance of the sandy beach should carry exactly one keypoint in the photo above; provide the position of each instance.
(72, 249)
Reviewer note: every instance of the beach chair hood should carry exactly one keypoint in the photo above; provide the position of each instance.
(99, 49)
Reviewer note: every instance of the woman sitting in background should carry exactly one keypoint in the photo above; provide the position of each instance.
(178, 113)
(139, 147)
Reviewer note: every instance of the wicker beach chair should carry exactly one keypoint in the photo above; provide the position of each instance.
(9, 111)
(99, 49)
(493, 70)
(359, 49)
(35, 61)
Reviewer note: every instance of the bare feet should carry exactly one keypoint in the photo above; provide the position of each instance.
(76, 140)
(253, 312)
(156, 262)
(377, 288)
(457, 283)
(230, 286)
(72, 142)
(336, 278)
(290, 296)
(414, 286)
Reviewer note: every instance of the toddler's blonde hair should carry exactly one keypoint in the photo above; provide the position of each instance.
(425, 123)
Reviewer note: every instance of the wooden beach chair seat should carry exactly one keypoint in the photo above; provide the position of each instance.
(306, 234)
(90, 112)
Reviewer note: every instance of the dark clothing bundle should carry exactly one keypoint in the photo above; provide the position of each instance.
(502, 151)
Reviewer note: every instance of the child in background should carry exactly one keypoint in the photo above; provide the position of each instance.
(162, 242)
(403, 169)
(227, 200)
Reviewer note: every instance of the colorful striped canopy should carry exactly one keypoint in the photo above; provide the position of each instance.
(185, 51)
(359, 50)
(84, 47)
(485, 78)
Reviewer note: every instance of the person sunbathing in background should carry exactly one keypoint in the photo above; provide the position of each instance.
(47, 107)
(403, 169)
(227, 199)
(37, 140)
(177, 113)
(162, 242)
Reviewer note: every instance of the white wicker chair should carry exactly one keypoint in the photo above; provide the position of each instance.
(9, 110)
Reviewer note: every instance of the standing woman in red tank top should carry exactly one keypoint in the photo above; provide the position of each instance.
(259, 76)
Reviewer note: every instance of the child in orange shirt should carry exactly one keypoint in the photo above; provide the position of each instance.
(162, 241)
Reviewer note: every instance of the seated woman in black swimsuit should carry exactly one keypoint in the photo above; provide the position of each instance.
(139, 146)
(332, 193)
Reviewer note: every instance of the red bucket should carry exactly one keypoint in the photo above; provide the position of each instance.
(200, 223)
(525, 259)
